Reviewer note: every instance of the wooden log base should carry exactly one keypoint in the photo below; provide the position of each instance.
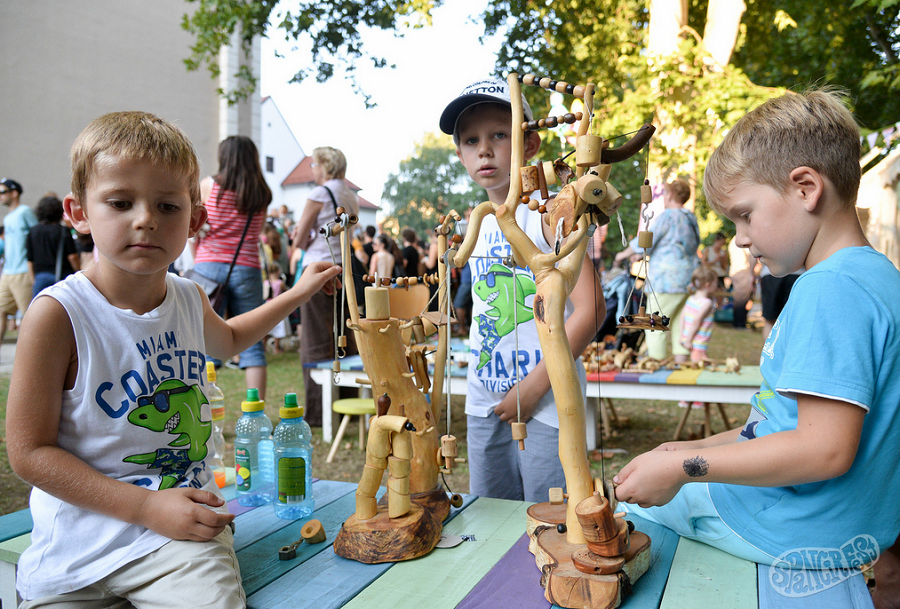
(594, 564)
(384, 539)
(567, 586)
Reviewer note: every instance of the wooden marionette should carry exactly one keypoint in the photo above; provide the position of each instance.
(558, 530)
(643, 320)
(403, 438)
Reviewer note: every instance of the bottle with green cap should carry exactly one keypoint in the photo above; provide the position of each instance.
(252, 432)
(217, 406)
(293, 462)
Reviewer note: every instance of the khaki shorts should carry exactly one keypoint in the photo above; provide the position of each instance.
(179, 574)
(15, 293)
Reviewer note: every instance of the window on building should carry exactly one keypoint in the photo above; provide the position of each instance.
(270, 164)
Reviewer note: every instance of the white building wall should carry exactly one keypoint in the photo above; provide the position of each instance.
(277, 142)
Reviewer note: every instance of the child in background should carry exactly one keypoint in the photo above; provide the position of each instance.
(106, 414)
(825, 422)
(697, 320)
(480, 121)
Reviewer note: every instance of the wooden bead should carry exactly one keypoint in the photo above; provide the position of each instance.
(456, 239)
(339, 210)
(448, 446)
(385, 282)
(578, 116)
(549, 173)
(342, 341)
(569, 89)
(542, 209)
(556, 496)
(530, 180)
(587, 150)
(545, 82)
(378, 303)
(569, 118)
(519, 433)
(313, 532)
(561, 87)
(646, 193)
(552, 121)
(578, 91)
(645, 239)
(524, 199)
(413, 281)
(533, 204)
(542, 123)
(456, 500)
(528, 79)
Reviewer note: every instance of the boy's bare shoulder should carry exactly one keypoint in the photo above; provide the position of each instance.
(46, 321)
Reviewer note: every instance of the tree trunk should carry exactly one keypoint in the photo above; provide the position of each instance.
(723, 19)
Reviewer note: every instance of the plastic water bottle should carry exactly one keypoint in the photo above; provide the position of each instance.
(252, 432)
(293, 462)
(217, 405)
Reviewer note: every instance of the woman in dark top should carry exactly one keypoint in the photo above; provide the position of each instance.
(47, 243)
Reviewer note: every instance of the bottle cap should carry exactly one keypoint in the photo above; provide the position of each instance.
(210, 372)
(290, 410)
(252, 403)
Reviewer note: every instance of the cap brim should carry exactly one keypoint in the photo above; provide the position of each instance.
(459, 105)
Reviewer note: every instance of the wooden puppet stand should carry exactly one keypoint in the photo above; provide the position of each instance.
(402, 438)
(579, 566)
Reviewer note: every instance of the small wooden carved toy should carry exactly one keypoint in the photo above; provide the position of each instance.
(556, 531)
(402, 438)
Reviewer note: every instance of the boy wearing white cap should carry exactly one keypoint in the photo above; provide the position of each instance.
(502, 334)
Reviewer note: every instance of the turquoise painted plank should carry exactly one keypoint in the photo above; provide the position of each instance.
(260, 522)
(15, 524)
(702, 576)
(444, 577)
(648, 590)
(776, 593)
(749, 376)
(326, 581)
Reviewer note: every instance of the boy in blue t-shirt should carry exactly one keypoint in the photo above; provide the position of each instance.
(824, 426)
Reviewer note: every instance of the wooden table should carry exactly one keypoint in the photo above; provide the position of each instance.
(687, 385)
(492, 570)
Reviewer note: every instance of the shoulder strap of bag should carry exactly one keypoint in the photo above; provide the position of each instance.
(238, 251)
(333, 201)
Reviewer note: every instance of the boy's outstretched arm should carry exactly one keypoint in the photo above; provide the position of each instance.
(823, 446)
(45, 365)
(225, 338)
(581, 327)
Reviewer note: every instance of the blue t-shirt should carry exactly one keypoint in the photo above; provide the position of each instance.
(16, 225)
(837, 337)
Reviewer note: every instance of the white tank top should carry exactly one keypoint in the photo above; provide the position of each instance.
(137, 413)
(492, 336)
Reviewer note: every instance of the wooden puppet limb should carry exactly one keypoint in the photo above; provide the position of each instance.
(468, 245)
(569, 265)
(347, 278)
(549, 315)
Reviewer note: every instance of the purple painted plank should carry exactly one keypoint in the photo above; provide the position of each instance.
(628, 377)
(514, 582)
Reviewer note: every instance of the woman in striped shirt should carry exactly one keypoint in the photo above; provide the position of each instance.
(234, 196)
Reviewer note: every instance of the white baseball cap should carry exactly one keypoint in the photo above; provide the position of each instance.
(489, 90)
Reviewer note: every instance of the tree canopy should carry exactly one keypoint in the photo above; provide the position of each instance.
(430, 182)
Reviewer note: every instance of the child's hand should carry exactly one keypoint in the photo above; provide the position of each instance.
(178, 513)
(686, 344)
(508, 411)
(682, 445)
(652, 478)
(317, 276)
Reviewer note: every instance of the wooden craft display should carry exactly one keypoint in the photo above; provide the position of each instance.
(403, 439)
(589, 579)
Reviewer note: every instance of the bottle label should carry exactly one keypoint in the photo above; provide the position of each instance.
(242, 469)
(291, 479)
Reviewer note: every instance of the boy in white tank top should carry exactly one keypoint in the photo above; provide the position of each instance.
(107, 416)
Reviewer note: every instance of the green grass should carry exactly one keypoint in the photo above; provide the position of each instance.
(643, 424)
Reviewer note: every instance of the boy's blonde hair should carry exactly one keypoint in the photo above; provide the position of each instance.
(679, 190)
(812, 129)
(703, 275)
(332, 161)
(135, 135)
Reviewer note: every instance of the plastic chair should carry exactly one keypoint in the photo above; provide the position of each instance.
(349, 407)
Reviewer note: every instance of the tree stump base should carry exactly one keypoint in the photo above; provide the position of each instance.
(384, 539)
(564, 584)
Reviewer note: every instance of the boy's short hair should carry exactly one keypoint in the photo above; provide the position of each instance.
(332, 161)
(49, 210)
(485, 91)
(371, 231)
(135, 135)
(409, 234)
(812, 129)
(679, 190)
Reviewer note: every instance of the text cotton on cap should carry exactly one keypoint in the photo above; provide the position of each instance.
(490, 90)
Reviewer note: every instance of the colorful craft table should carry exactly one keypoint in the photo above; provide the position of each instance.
(687, 385)
(492, 569)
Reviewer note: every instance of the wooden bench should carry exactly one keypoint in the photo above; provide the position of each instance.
(493, 569)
